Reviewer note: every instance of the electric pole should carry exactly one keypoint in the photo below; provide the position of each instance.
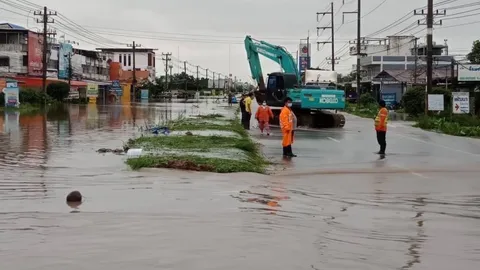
(134, 75)
(186, 77)
(45, 20)
(166, 58)
(358, 51)
(198, 82)
(70, 69)
(415, 74)
(430, 15)
(213, 80)
(206, 76)
(333, 59)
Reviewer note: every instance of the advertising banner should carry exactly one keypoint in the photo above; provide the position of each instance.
(389, 98)
(469, 73)
(303, 49)
(117, 88)
(461, 102)
(63, 62)
(144, 94)
(11, 92)
(436, 102)
(35, 43)
(92, 90)
(303, 63)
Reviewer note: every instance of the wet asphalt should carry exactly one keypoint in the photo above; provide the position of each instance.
(335, 206)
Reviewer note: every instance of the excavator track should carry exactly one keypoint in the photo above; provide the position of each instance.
(314, 119)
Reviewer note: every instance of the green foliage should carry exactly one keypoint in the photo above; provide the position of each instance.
(366, 100)
(474, 55)
(33, 96)
(458, 125)
(58, 90)
(414, 100)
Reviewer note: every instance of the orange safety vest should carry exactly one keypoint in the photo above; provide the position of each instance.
(264, 114)
(286, 119)
(381, 120)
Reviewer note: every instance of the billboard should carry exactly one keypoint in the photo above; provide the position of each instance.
(303, 63)
(35, 42)
(469, 73)
(63, 63)
(92, 90)
(304, 49)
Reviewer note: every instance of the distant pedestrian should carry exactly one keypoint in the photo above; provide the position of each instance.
(230, 97)
(248, 110)
(288, 123)
(243, 112)
(381, 121)
(263, 116)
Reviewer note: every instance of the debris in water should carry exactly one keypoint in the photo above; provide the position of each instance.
(74, 196)
(114, 151)
(134, 152)
(188, 133)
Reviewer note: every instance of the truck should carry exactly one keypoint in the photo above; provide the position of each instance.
(314, 95)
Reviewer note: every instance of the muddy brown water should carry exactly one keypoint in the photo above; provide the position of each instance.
(158, 219)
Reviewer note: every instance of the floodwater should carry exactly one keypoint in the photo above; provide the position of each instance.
(336, 206)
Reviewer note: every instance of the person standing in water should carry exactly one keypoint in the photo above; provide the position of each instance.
(381, 127)
(288, 122)
(263, 116)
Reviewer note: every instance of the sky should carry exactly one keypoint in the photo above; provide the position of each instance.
(210, 33)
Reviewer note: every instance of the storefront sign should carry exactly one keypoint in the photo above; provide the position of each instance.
(117, 88)
(92, 90)
(144, 94)
(469, 73)
(11, 92)
(63, 60)
(35, 43)
(389, 98)
(303, 63)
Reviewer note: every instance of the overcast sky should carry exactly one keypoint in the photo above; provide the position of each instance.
(210, 33)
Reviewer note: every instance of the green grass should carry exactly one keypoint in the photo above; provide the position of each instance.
(465, 126)
(369, 111)
(254, 161)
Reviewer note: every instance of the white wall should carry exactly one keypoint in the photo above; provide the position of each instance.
(16, 62)
(141, 60)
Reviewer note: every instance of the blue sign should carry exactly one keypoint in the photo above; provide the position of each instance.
(117, 88)
(144, 94)
(389, 98)
(12, 94)
(303, 63)
(64, 53)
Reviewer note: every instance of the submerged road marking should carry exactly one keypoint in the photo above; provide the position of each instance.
(332, 139)
(437, 144)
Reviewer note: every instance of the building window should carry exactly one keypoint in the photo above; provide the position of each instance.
(153, 60)
(129, 60)
(4, 62)
(120, 58)
(124, 59)
(25, 60)
(149, 59)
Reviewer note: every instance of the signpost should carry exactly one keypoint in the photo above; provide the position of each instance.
(117, 88)
(389, 98)
(461, 102)
(12, 93)
(144, 94)
(436, 102)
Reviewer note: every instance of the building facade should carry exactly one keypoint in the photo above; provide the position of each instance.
(144, 59)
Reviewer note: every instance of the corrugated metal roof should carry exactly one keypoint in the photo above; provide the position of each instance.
(11, 26)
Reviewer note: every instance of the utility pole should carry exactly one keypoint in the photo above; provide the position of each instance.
(206, 76)
(134, 70)
(333, 59)
(70, 69)
(429, 15)
(186, 77)
(358, 51)
(45, 20)
(213, 80)
(166, 58)
(198, 82)
(415, 74)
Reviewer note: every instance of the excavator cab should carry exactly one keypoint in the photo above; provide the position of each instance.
(277, 85)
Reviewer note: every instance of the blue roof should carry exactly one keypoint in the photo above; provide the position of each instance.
(11, 26)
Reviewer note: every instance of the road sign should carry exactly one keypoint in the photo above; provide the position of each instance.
(117, 87)
(461, 102)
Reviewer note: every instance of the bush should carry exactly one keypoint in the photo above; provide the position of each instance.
(366, 100)
(467, 126)
(58, 90)
(414, 100)
(32, 96)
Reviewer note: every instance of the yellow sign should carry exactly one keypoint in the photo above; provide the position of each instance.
(92, 90)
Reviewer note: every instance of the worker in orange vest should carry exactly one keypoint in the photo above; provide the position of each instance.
(381, 121)
(263, 116)
(288, 123)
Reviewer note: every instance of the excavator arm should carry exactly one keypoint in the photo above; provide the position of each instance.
(275, 53)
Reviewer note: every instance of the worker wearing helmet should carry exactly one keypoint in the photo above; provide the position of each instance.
(381, 127)
(288, 122)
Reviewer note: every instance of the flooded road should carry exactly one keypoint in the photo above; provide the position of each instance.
(336, 206)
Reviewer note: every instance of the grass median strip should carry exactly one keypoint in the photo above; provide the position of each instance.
(210, 152)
